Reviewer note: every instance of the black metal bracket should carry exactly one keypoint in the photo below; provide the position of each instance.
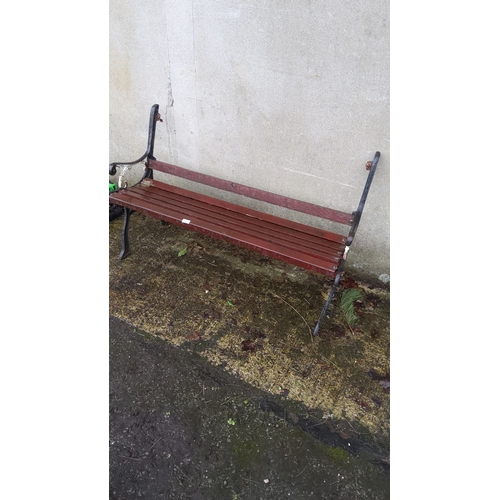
(371, 166)
(154, 116)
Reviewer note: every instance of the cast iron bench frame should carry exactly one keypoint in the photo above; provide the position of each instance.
(305, 246)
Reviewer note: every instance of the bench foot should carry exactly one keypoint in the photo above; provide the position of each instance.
(327, 304)
(125, 244)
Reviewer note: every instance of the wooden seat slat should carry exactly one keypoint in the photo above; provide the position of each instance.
(234, 216)
(324, 235)
(308, 258)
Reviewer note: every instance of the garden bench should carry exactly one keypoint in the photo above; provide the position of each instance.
(313, 249)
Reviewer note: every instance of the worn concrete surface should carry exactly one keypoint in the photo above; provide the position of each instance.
(247, 321)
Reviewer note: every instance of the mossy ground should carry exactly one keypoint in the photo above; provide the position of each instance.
(254, 317)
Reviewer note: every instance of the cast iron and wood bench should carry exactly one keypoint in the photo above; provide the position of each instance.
(313, 249)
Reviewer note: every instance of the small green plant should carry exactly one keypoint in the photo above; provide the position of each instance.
(338, 455)
(347, 300)
(182, 252)
(231, 421)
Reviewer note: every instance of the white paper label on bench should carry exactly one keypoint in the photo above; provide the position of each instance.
(186, 221)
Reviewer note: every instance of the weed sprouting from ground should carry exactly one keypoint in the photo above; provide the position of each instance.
(347, 300)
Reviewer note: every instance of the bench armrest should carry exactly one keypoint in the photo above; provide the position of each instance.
(154, 116)
(112, 166)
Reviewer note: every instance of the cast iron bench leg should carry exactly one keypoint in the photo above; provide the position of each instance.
(125, 245)
(329, 300)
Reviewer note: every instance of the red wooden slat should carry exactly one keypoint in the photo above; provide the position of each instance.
(133, 199)
(240, 220)
(195, 210)
(135, 196)
(258, 194)
(274, 251)
(275, 221)
(265, 223)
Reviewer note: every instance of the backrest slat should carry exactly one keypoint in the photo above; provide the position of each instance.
(257, 194)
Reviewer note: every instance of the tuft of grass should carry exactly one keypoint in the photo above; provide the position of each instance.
(347, 301)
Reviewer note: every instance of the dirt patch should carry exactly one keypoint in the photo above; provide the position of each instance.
(183, 429)
(253, 316)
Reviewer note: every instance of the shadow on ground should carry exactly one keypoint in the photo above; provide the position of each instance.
(218, 389)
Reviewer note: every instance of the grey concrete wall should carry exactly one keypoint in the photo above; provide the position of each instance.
(287, 96)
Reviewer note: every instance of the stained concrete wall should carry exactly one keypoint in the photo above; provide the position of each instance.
(287, 96)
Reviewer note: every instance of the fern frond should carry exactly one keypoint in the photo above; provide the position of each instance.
(347, 300)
